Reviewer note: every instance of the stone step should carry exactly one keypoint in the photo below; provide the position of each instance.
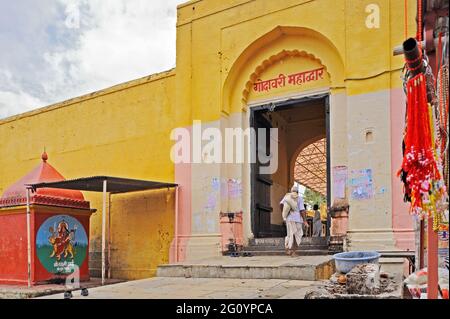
(312, 252)
(282, 248)
(279, 241)
(255, 267)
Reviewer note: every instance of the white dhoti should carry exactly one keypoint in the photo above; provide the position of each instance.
(294, 232)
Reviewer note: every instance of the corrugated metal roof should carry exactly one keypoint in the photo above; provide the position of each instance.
(114, 184)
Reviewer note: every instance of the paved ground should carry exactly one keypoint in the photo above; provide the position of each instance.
(179, 284)
(199, 288)
(23, 292)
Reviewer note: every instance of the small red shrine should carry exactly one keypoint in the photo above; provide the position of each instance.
(59, 230)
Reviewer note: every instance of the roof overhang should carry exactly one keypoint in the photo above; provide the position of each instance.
(115, 185)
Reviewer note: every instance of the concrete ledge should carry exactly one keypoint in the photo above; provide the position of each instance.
(309, 268)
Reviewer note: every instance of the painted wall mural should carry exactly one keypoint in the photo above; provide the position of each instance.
(61, 243)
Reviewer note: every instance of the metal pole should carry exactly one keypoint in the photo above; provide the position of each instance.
(421, 244)
(413, 56)
(29, 237)
(109, 236)
(104, 231)
(399, 49)
(176, 223)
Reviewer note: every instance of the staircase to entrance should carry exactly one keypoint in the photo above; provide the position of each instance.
(309, 268)
(267, 260)
(310, 246)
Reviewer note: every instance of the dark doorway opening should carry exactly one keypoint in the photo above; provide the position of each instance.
(300, 123)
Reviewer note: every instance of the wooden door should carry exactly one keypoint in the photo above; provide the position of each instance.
(261, 183)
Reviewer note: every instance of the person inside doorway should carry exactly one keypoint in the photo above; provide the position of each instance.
(317, 222)
(309, 216)
(292, 215)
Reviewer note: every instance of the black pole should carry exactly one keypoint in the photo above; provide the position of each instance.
(413, 57)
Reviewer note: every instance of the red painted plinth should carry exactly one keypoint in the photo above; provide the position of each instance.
(13, 243)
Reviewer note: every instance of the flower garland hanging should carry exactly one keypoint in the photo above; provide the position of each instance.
(419, 161)
(422, 170)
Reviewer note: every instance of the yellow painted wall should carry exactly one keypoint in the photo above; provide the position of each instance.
(122, 131)
(142, 229)
(241, 35)
(246, 39)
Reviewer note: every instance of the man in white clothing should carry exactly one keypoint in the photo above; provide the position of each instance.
(293, 209)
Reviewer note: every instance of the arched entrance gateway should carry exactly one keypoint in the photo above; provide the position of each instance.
(287, 86)
(301, 158)
(284, 81)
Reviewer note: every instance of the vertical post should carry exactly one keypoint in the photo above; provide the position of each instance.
(432, 265)
(176, 223)
(28, 237)
(421, 244)
(109, 236)
(104, 232)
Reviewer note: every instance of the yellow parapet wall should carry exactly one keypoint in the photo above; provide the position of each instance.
(121, 131)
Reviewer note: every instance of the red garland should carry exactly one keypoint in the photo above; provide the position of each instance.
(419, 163)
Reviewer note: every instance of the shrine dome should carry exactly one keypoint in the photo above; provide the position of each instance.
(15, 195)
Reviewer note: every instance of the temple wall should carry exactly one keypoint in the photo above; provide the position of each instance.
(113, 132)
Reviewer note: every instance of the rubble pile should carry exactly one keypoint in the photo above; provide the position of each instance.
(363, 281)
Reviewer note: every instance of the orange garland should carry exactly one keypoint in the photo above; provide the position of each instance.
(418, 163)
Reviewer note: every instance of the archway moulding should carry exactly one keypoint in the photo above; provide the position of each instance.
(266, 64)
(274, 46)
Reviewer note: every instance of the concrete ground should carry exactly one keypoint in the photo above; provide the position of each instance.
(23, 292)
(223, 277)
(198, 288)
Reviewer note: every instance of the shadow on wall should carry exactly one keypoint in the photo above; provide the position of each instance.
(141, 230)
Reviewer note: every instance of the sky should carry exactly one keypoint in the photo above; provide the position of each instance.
(54, 50)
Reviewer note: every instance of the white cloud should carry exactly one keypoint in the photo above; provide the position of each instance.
(14, 100)
(17, 102)
(117, 41)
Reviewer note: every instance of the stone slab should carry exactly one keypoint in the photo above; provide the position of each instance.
(196, 288)
(256, 267)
